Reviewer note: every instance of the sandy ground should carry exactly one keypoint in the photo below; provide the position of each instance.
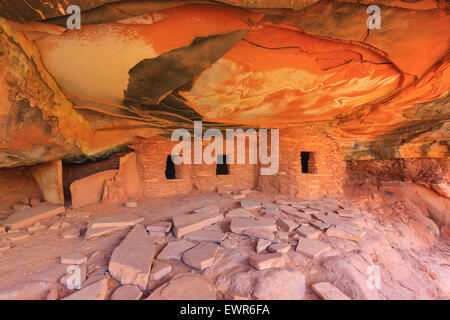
(410, 267)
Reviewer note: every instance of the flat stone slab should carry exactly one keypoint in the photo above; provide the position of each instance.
(92, 233)
(15, 236)
(163, 226)
(346, 213)
(185, 286)
(208, 209)
(71, 234)
(78, 214)
(282, 236)
(93, 279)
(299, 204)
(328, 219)
(173, 250)
(319, 224)
(206, 235)
(259, 234)
(229, 243)
(299, 217)
(96, 256)
(280, 247)
(327, 291)
(36, 227)
(96, 291)
(73, 258)
(90, 189)
(269, 214)
(240, 224)
(309, 210)
(160, 270)
(250, 204)
(131, 261)
(33, 290)
(126, 292)
(288, 209)
(119, 220)
(29, 216)
(311, 248)
(186, 223)
(156, 234)
(297, 258)
(270, 206)
(201, 256)
(346, 231)
(262, 245)
(221, 226)
(287, 224)
(281, 202)
(308, 232)
(267, 261)
(239, 213)
(302, 217)
(131, 204)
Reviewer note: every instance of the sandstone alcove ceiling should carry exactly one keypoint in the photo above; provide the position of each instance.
(134, 70)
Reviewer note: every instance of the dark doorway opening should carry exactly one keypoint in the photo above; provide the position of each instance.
(305, 161)
(80, 167)
(170, 168)
(221, 166)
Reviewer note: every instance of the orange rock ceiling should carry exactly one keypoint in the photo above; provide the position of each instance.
(142, 68)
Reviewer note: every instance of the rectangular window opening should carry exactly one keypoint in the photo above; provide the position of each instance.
(170, 168)
(307, 162)
(222, 166)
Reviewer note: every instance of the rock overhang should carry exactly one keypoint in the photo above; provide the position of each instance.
(380, 93)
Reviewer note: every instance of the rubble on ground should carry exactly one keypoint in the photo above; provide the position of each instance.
(161, 259)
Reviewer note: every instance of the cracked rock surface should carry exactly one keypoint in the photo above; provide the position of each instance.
(135, 70)
(408, 265)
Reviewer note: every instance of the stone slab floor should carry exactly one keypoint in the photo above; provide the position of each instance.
(301, 245)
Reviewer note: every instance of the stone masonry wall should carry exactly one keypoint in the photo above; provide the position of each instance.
(151, 157)
(326, 165)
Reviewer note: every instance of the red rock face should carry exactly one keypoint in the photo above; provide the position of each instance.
(142, 69)
(282, 75)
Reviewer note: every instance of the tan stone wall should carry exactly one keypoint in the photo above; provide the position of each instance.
(152, 155)
(17, 184)
(328, 165)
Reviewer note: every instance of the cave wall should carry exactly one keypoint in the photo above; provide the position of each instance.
(17, 184)
(417, 189)
(428, 170)
(33, 107)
